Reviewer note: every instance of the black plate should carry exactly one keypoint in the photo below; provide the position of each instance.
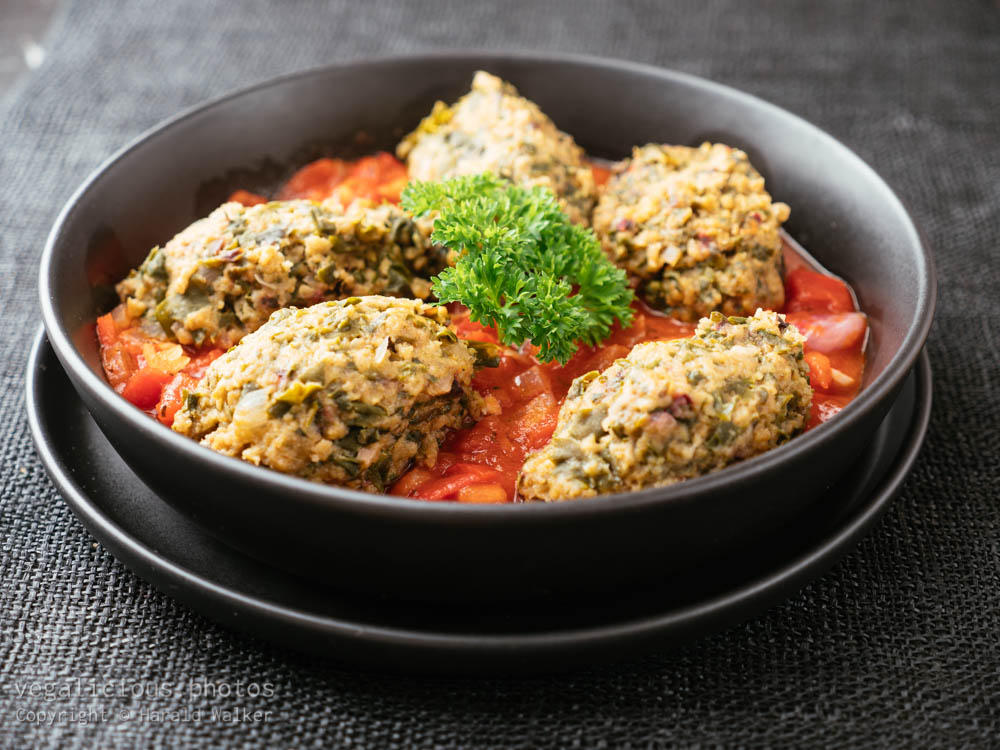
(174, 554)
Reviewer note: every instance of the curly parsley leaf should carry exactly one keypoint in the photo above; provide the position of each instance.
(521, 264)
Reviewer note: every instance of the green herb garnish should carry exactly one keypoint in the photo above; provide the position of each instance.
(519, 261)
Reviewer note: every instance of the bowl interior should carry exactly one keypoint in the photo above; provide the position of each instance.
(841, 211)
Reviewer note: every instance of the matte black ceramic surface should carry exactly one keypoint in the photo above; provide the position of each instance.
(841, 211)
(169, 550)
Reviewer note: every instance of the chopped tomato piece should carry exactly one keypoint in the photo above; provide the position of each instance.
(408, 484)
(809, 291)
(247, 198)
(469, 330)
(107, 330)
(820, 372)
(144, 387)
(830, 332)
(532, 382)
(375, 168)
(601, 174)
(172, 397)
(476, 470)
(448, 487)
(315, 181)
(533, 424)
(378, 178)
(851, 364)
(483, 493)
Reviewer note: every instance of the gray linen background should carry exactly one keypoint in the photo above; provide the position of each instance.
(899, 645)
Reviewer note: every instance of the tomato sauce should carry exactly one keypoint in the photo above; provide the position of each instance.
(480, 464)
(149, 372)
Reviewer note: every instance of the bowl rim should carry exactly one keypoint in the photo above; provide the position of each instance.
(304, 491)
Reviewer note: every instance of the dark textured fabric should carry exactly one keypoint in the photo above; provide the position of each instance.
(897, 646)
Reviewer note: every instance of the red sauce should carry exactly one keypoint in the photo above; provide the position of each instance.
(149, 372)
(480, 464)
(378, 178)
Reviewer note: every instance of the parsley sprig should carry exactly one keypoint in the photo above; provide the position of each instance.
(518, 261)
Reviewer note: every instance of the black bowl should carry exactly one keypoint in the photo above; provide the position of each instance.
(841, 211)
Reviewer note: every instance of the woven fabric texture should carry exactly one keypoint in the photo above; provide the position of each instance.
(898, 645)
